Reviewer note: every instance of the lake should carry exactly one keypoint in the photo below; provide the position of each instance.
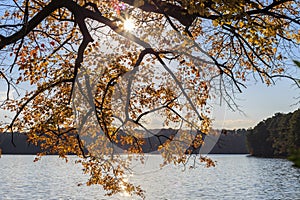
(234, 177)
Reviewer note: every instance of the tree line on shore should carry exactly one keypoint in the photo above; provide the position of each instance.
(278, 136)
(231, 142)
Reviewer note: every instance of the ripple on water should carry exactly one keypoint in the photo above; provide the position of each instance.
(234, 177)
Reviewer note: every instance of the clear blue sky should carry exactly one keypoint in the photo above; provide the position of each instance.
(259, 102)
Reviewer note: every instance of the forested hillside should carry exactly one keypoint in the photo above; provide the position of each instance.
(278, 136)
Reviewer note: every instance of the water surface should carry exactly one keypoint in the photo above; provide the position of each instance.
(234, 177)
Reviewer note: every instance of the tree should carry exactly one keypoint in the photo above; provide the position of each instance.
(279, 133)
(294, 134)
(258, 140)
(277, 136)
(94, 77)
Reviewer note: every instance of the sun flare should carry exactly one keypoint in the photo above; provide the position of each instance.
(129, 25)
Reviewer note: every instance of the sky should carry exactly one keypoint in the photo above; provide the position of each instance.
(258, 102)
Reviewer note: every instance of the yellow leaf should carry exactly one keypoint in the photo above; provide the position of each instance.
(215, 23)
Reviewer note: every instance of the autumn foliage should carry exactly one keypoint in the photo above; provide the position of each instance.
(83, 81)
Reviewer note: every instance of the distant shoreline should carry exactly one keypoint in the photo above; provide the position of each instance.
(231, 143)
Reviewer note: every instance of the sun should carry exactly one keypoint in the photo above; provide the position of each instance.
(128, 25)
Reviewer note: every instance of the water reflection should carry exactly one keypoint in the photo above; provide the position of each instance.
(234, 177)
(124, 192)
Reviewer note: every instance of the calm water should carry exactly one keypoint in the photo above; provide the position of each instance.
(234, 177)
